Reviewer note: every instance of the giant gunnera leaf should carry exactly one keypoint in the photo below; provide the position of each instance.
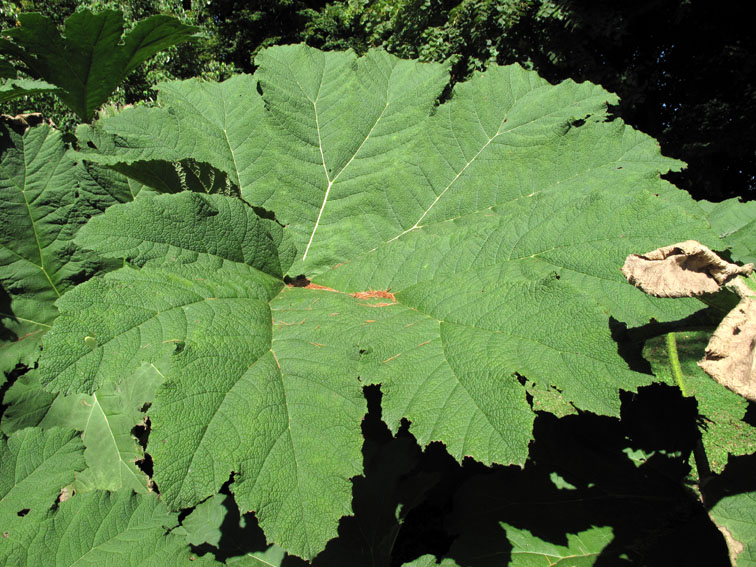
(452, 254)
(89, 60)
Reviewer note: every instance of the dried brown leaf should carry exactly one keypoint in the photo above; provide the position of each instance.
(685, 269)
(729, 357)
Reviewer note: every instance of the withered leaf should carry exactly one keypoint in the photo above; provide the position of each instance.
(685, 269)
(729, 357)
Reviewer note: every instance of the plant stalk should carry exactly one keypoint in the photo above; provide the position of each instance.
(700, 460)
(674, 362)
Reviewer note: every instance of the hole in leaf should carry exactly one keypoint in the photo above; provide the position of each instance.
(297, 281)
(24, 512)
(141, 431)
(146, 466)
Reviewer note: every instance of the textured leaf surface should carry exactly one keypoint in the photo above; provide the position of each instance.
(216, 122)
(365, 156)
(89, 60)
(105, 419)
(43, 202)
(736, 517)
(104, 528)
(271, 557)
(735, 222)
(203, 525)
(34, 466)
(249, 416)
(451, 252)
(27, 403)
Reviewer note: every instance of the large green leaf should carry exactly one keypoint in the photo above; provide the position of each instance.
(91, 57)
(454, 253)
(34, 466)
(366, 150)
(45, 197)
(528, 550)
(106, 419)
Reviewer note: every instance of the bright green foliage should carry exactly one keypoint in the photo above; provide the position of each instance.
(218, 120)
(459, 255)
(34, 466)
(213, 314)
(115, 529)
(271, 557)
(734, 221)
(528, 550)
(736, 515)
(493, 221)
(91, 58)
(15, 88)
(424, 561)
(45, 199)
(105, 418)
(203, 525)
(28, 404)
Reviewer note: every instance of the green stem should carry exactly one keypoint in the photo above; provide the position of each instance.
(700, 461)
(674, 362)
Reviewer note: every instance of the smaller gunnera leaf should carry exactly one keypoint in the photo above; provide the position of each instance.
(685, 269)
(92, 55)
(729, 356)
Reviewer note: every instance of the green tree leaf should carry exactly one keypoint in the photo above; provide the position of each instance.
(27, 403)
(203, 525)
(34, 466)
(528, 550)
(451, 252)
(106, 528)
(91, 58)
(106, 419)
(115, 415)
(734, 222)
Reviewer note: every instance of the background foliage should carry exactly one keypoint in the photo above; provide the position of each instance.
(684, 71)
